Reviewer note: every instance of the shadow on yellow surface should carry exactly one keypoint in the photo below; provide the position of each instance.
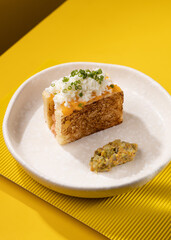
(18, 17)
(47, 215)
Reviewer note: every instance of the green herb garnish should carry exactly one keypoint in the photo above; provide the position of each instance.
(112, 86)
(80, 105)
(53, 84)
(99, 71)
(80, 75)
(96, 77)
(82, 71)
(74, 72)
(83, 74)
(80, 94)
(64, 90)
(94, 74)
(90, 75)
(65, 79)
(101, 77)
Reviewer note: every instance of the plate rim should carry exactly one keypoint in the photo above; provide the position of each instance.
(33, 172)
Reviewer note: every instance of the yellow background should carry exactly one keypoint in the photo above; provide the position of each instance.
(131, 33)
(17, 17)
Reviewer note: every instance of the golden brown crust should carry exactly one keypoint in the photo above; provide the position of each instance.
(99, 115)
(48, 108)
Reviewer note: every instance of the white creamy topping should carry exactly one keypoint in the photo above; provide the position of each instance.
(78, 88)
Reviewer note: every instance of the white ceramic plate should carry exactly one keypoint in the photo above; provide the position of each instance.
(147, 122)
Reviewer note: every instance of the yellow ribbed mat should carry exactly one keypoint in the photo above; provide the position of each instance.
(143, 213)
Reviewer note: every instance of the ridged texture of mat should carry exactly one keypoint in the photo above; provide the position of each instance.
(144, 213)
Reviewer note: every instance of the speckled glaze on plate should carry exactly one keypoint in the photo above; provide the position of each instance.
(146, 121)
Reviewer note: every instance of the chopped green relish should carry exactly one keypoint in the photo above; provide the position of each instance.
(113, 154)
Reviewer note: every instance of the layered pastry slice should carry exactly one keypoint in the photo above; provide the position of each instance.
(81, 104)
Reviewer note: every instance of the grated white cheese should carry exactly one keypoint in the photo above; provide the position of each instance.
(63, 93)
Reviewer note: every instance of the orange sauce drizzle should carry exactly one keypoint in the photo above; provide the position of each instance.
(74, 105)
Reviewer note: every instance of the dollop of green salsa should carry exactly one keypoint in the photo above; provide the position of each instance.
(112, 154)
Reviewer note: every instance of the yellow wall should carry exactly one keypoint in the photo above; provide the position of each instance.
(17, 17)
